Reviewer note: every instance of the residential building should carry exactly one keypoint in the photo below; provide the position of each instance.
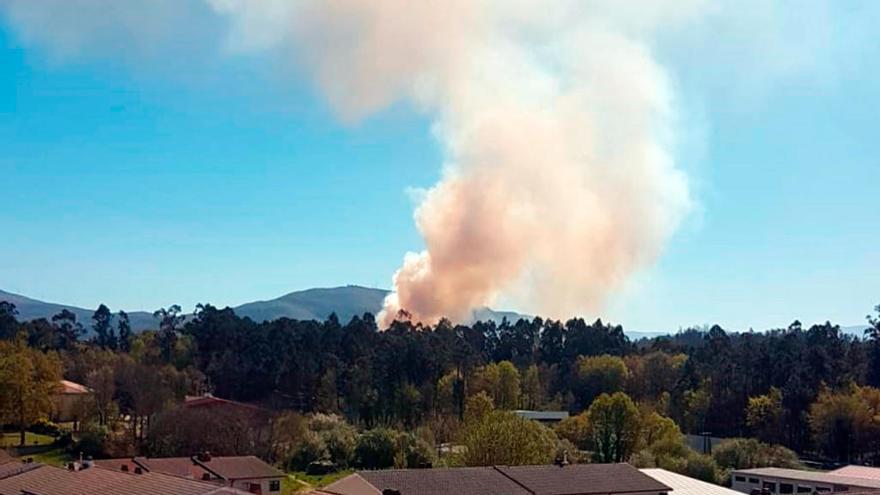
(39, 479)
(793, 481)
(68, 402)
(575, 479)
(247, 473)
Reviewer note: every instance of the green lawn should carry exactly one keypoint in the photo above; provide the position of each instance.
(55, 457)
(11, 439)
(301, 482)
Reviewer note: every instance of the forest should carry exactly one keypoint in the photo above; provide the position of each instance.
(343, 392)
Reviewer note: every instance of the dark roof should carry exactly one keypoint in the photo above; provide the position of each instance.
(455, 481)
(582, 479)
(576, 479)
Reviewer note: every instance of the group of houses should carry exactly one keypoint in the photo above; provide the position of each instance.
(198, 475)
(204, 474)
(556, 479)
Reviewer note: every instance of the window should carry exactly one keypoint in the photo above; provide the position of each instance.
(770, 486)
(741, 479)
(786, 488)
(804, 489)
(753, 481)
(275, 486)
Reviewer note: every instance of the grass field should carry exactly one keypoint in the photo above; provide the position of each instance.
(11, 439)
(302, 482)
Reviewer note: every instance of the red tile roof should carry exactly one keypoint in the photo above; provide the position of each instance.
(73, 388)
(239, 468)
(47, 480)
(228, 468)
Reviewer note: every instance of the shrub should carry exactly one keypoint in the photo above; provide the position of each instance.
(340, 441)
(413, 452)
(309, 449)
(375, 449)
(92, 441)
(45, 427)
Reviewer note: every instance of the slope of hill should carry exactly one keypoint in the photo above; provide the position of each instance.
(309, 304)
(317, 304)
(32, 309)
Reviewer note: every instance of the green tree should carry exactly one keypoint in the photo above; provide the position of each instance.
(169, 321)
(69, 330)
(764, 415)
(8, 320)
(477, 407)
(102, 381)
(507, 396)
(27, 380)
(532, 388)
(748, 453)
(375, 449)
(615, 427)
(595, 375)
(503, 438)
(124, 329)
(102, 324)
(841, 423)
(577, 430)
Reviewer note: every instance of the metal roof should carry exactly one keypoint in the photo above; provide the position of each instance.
(812, 476)
(683, 485)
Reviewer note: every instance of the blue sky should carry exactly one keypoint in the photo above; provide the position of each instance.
(225, 182)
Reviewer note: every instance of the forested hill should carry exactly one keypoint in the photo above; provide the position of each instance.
(310, 304)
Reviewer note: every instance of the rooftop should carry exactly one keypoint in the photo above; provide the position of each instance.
(683, 485)
(73, 388)
(227, 468)
(576, 479)
(48, 480)
(813, 476)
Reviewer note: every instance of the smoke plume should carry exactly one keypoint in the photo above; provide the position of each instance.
(557, 127)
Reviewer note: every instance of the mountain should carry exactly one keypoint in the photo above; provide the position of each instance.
(310, 304)
(317, 304)
(32, 309)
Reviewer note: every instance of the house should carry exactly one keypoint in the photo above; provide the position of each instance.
(684, 485)
(784, 481)
(545, 417)
(576, 479)
(68, 401)
(39, 479)
(247, 473)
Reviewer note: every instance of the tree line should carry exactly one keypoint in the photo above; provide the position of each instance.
(811, 389)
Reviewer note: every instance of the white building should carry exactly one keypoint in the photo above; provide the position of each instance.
(797, 481)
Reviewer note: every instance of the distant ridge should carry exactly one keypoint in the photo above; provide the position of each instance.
(32, 309)
(310, 304)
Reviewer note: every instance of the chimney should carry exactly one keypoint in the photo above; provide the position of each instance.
(124, 468)
(71, 466)
(204, 456)
(138, 470)
(206, 476)
(562, 460)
